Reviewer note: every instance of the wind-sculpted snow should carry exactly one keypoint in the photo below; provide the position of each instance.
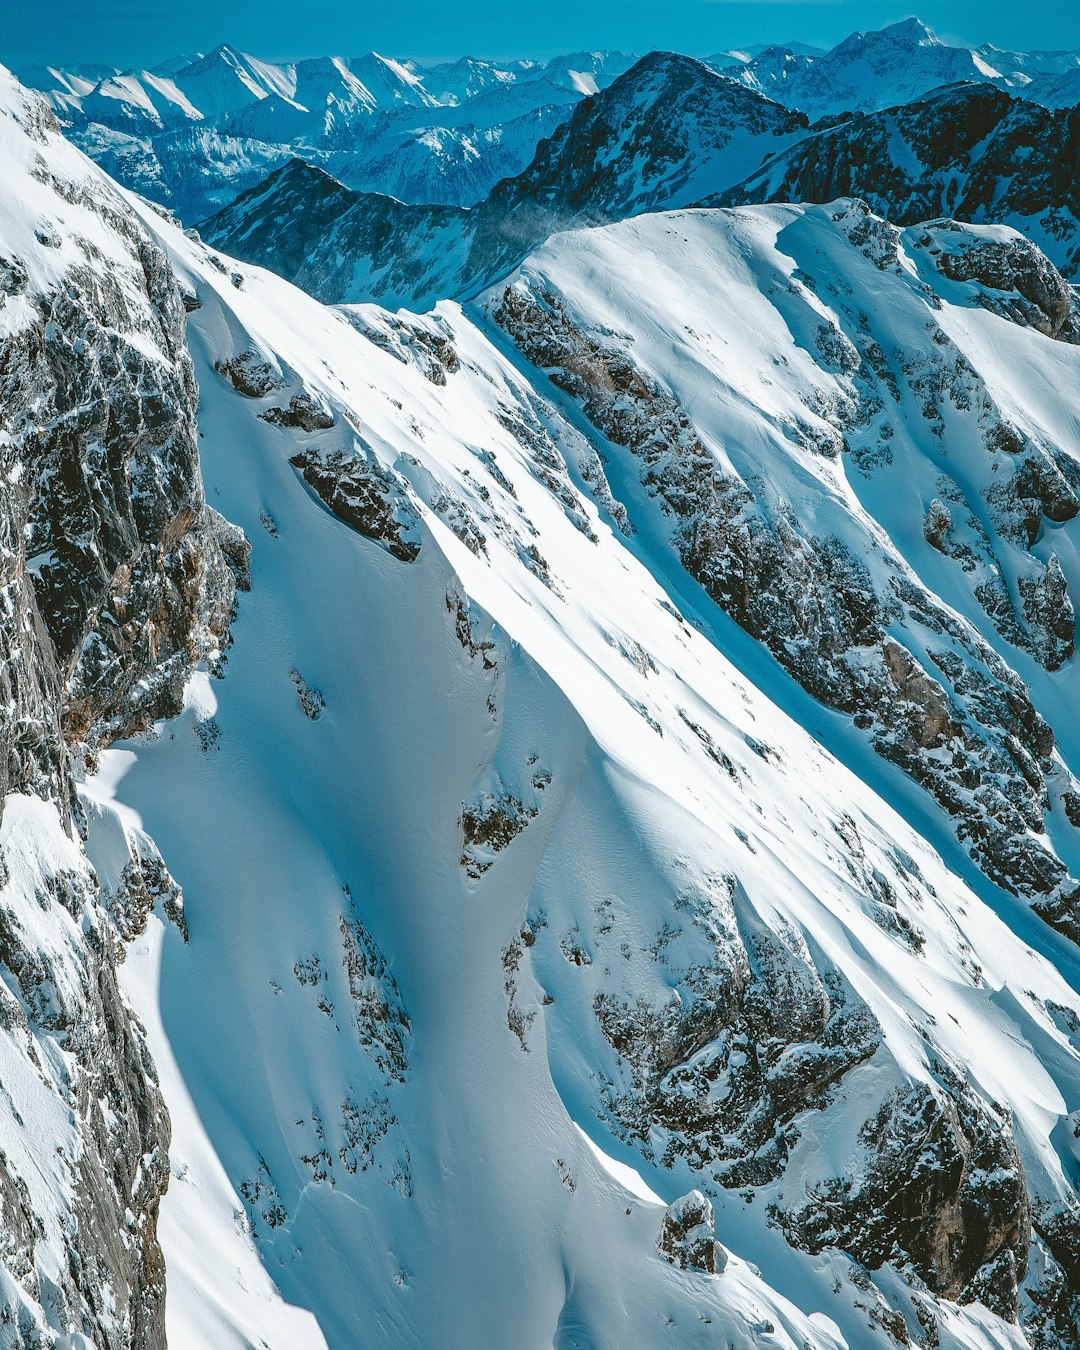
(521, 833)
(843, 310)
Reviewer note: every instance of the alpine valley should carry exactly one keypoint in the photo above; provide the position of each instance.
(539, 762)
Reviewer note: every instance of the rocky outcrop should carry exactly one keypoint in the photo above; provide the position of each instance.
(743, 1046)
(369, 498)
(303, 413)
(1011, 276)
(128, 580)
(688, 1236)
(938, 1182)
(489, 824)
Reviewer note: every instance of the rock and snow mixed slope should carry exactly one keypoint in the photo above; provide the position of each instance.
(581, 866)
(613, 859)
(113, 584)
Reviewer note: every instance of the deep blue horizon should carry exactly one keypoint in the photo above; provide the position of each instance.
(143, 34)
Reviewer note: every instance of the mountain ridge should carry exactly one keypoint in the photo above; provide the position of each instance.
(553, 820)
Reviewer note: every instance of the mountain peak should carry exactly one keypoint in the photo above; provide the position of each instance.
(906, 33)
(911, 30)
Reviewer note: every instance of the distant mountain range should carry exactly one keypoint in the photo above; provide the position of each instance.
(870, 71)
(195, 131)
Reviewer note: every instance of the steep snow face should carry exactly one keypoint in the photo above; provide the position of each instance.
(972, 152)
(853, 376)
(112, 585)
(660, 135)
(501, 829)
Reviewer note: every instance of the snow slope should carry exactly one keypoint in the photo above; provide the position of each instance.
(513, 794)
(628, 852)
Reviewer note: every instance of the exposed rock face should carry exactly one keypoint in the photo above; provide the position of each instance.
(365, 496)
(688, 1237)
(340, 244)
(250, 374)
(114, 583)
(971, 152)
(939, 1183)
(121, 554)
(303, 412)
(1013, 277)
(96, 1265)
(306, 200)
(488, 825)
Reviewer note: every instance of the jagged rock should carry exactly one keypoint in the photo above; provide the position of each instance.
(688, 1236)
(311, 699)
(382, 1024)
(1048, 610)
(370, 499)
(937, 525)
(739, 1050)
(303, 412)
(250, 374)
(488, 824)
(425, 344)
(939, 1182)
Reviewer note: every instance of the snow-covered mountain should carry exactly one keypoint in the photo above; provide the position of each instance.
(194, 132)
(610, 877)
(662, 134)
(902, 61)
(653, 139)
(970, 151)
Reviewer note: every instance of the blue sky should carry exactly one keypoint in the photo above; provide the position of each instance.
(142, 32)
